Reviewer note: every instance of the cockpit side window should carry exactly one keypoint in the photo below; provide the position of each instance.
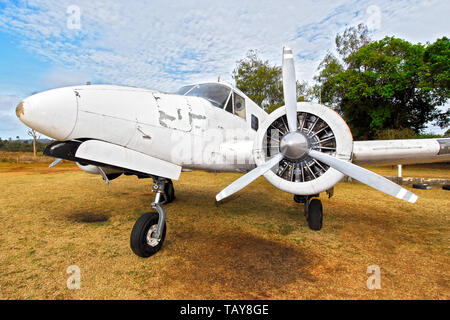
(229, 106)
(239, 106)
(217, 94)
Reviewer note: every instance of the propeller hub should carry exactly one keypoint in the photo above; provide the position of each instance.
(294, 145)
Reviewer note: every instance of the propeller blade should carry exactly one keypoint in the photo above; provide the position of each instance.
(54, 163)
(290, 88)
(248, 178)
(365, 176)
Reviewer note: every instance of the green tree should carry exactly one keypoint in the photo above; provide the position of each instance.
(351, 40)
(386, 84)
(262, 82)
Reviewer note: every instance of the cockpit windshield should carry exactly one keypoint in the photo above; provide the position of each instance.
(215, 93)
(183, 90)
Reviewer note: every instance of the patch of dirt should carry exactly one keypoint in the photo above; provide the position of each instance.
(87, 217)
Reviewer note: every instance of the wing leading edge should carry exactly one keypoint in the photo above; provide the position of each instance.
(407, 151)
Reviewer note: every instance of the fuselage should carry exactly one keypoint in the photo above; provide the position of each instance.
(190, 130)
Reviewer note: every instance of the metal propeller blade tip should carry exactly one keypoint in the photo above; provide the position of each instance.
(289, 88)
(365, 176)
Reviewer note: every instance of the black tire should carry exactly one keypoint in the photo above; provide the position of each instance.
(422, 186)
(299, 199)
(446, 187)
(113, 176)
(315, 214)
(169, 192)
(138, 238)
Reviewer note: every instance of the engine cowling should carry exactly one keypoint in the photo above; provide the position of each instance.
(324, 130)
(94, 170)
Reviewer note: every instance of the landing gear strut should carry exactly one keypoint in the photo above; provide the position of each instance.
(149, 231)
(313, 211)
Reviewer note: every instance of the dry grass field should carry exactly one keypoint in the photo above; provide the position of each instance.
(254, 246)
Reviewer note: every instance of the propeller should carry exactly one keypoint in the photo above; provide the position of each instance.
(295, 146)
(249, 177)
(365, 176)
(54, 163)
(290, 88)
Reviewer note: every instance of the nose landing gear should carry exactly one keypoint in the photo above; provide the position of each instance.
(149, 231)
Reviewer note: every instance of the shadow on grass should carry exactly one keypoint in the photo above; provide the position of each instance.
(238, 264)
(87, 217)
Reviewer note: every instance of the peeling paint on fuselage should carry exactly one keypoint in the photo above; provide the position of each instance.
(163, 116)
(193, 116)
(173, 112)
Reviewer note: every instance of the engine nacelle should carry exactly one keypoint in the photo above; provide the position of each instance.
(94, 169)
(325, 130)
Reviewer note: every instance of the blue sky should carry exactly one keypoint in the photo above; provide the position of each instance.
(165, 44)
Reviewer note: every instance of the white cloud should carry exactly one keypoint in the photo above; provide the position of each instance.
(165, 44)
(60, 77)
(161, 44)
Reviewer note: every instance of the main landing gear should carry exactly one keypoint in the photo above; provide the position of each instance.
(149, 231)
(313, 211)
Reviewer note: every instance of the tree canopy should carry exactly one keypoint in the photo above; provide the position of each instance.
(386, 84)
(262, 82)
(21, 145)
(377, 86)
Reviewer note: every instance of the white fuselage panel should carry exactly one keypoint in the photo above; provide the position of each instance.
(187, 131)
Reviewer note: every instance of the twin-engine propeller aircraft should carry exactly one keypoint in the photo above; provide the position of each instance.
(303, 148)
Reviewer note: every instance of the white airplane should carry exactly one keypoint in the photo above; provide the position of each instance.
(303, 148)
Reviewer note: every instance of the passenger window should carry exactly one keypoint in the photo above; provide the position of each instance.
(239, 106)
(255, 123)
(229, 106)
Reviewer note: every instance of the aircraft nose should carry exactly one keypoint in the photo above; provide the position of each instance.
(52, 112)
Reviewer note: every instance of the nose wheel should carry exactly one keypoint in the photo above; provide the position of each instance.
(149, 231)
(144, 241)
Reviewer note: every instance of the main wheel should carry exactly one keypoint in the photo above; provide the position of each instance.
(142, 241)
(422, 186)
(169, 192)
(315, 214)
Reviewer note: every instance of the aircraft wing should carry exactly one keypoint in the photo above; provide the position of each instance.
(117, 156)
(406, 151)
